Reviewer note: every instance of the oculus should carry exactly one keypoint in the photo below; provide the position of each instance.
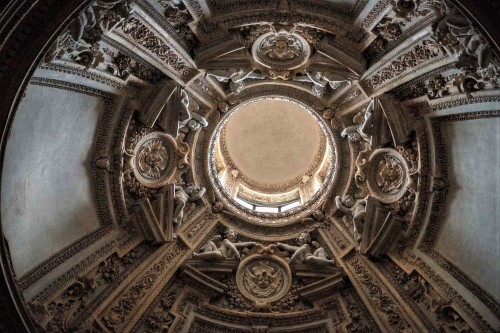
(272, 155)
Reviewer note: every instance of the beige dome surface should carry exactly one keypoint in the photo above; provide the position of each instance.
(272, 141)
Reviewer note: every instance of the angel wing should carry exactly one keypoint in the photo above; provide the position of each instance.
(249, 279)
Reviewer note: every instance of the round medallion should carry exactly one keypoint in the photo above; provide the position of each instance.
(281, 50)
(387, 175)
(154, 159)
(263, 279)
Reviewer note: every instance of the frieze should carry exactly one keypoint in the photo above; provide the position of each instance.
(142, 69)
(461, 277)
(393, 43)
(57, 259)
(83, 72)
(117, 191)
(69, 86)
(117, 314)
(262, 318)
(420, 54)
(158, 316)
(479, 323)
(376, 14)
(422, 203)
(335, 237)
(328, 9)
(391, 315)
(51, 290)
(330, 25)
(464, 100)
(195, 9)
(182, 37)
(92, 289)
(359, 316)
(155, 45)
(412, 289)
(416, 87)
(195, 230)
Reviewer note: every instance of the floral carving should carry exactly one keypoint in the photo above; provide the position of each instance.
(418, 55)
(120, 309)
(145, 37)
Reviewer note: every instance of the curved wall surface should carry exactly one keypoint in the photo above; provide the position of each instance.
(109, 219)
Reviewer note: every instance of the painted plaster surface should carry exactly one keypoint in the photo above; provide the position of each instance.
(470, 233)
(46, 183)
(272, 141)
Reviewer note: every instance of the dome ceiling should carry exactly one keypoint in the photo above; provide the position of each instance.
(251, 166)
(272, 141)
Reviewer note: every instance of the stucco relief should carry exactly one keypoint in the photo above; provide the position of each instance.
(263, 279)
(382, 204)
(281, 50)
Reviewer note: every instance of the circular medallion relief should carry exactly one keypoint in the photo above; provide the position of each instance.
(263, 279)
(154, 159)
(281, 50)
(387, 175)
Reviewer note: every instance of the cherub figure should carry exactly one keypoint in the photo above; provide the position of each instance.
(235, 77)
(356, 209)
(364, 130)
(90, 18)
(320, 81)
(182, 197)
(227, 248)
(189, 121)
(303, 252)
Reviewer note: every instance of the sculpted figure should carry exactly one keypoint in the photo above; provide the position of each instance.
(227, 248)
(364, 130)
(235, 77)
(354, 208)
(319, 80)
(89, 17)
(477, 51)
(182, 197)
(189, 121)
(303, 252)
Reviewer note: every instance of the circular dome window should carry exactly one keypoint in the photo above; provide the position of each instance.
(271, 157)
